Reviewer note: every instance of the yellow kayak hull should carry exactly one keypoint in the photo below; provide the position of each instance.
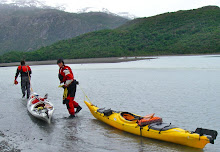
(174, 135)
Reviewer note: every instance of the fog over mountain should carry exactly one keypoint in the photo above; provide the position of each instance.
(43, 4)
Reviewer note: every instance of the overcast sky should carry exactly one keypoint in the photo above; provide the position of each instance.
(139, 8)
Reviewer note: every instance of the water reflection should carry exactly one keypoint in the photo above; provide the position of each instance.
(44, 126)
(137, 143)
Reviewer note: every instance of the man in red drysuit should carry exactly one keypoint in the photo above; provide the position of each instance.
(66, 77)
(25, 72)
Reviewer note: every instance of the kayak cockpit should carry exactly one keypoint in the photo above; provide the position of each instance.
(41, 106)
(130, 116)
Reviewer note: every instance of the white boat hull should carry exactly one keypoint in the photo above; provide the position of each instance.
(40, 108)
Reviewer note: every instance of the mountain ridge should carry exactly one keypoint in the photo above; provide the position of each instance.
(29, 28)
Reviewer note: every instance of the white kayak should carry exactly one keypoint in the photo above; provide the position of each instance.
(40, 107)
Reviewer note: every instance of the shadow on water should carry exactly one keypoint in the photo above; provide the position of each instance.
(158, 145)
(142, 143)
(42, 124)
(23, 101)
(70, 135)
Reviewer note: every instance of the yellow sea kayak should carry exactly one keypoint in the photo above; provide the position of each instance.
(153, 128)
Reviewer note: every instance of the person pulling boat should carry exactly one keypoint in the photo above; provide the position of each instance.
(66, 76)
(25, 72)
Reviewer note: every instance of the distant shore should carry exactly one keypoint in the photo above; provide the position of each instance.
(97, 60)
(81, 61)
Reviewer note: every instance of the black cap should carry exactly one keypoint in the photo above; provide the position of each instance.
(60, 60)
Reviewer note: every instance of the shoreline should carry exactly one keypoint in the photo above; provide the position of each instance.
(80, 61)
(98, 60)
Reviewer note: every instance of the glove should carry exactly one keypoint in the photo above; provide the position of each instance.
(63, 86)
(64, 101)
(15, 82)
(76, 82)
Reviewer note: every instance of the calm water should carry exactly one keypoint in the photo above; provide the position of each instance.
(182, 90)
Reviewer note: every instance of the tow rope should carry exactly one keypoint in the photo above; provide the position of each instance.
(84, 94)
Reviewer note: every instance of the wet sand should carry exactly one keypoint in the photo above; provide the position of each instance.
(81, 61)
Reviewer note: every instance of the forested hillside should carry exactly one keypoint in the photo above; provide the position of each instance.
(183, 32)
(29, 28)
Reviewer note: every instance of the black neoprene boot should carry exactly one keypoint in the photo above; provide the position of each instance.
(78, 109)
